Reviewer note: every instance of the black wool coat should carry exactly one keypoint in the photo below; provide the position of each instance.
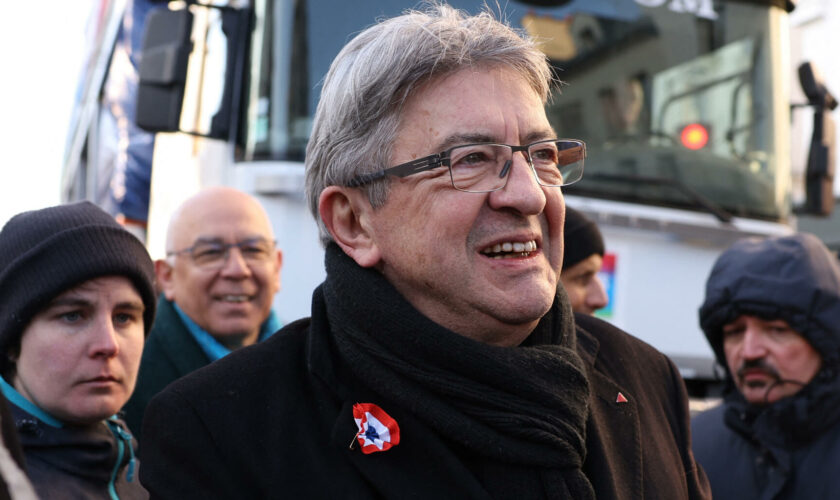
(641, 448)
(275, 420)
(170, 352)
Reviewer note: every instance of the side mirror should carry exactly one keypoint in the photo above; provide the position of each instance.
(163, 69)
(819, 188)
(813, 85)
(211, 100)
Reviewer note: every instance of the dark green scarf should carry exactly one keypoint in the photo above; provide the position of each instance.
(520, 411)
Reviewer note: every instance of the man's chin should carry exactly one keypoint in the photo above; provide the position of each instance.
(235, 332)
(530, 314)
(759, 394)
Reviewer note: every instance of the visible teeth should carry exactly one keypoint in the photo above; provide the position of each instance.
(518, 248)
(234, 298)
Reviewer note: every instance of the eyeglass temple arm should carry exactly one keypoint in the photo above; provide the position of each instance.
(403, 170)
(362, 179)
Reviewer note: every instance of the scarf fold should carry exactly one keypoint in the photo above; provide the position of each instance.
(524, 406)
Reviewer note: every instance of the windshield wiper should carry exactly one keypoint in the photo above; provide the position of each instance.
(699, 200)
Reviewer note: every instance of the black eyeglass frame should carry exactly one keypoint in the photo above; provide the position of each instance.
(442, 159)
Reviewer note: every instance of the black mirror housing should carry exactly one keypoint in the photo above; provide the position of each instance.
(819, 174)
(819, 187)
(163, 69)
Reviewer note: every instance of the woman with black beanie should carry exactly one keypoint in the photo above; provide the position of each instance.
(76, 300)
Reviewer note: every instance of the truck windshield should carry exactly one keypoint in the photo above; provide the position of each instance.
(666, 93)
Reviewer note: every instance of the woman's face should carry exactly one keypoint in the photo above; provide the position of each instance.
(80, 354)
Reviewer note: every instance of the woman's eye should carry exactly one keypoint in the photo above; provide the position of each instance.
(124, 318)
(71, 316)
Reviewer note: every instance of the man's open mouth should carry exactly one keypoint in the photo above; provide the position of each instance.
(510, 249)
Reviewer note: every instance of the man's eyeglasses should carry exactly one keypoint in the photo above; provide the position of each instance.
(212, 254)
(481, 168)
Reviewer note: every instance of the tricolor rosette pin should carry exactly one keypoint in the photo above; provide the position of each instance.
(377, 430)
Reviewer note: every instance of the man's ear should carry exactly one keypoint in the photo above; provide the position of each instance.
(163, 272)
(346, 214)
(279, 266)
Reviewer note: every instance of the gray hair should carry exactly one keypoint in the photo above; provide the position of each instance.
(370, 80)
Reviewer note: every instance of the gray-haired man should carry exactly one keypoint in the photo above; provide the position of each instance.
(440, 361)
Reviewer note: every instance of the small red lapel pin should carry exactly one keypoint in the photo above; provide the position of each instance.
(377, 430)
(620, 398)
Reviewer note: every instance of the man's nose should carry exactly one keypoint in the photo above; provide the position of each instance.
(596, 294)
(235, 264)
(753, 345)
(521, 191)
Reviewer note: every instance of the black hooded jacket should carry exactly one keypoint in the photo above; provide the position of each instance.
(791, 448)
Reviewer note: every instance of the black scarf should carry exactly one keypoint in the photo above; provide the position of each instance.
(524, 408)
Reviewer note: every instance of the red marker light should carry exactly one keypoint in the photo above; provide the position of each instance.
(694, 136)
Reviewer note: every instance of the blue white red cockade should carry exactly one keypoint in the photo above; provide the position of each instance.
(377, 430)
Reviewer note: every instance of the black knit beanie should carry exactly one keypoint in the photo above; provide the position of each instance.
(46, 252)
(581, 238)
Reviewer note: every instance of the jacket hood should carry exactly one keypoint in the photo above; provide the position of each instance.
(794, 278)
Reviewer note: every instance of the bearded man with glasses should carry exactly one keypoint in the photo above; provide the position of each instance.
(440, 360)
(218, 279)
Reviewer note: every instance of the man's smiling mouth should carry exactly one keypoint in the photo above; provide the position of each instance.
(510, 249)
(236, 299)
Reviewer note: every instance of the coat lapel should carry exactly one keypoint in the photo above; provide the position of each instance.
(613, 432)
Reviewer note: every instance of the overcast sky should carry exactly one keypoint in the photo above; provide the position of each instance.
(41, 46)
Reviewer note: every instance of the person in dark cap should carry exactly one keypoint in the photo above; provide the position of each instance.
(583, 255)
(76, 300)
(772, 316)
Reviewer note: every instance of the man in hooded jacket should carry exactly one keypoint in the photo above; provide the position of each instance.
(772, 316)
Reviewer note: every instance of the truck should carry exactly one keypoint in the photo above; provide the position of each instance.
(685, 107)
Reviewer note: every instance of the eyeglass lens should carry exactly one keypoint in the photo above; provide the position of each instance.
(485, 167)
(215, 254)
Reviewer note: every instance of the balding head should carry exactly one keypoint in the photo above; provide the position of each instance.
(226, 290)
(196, 212)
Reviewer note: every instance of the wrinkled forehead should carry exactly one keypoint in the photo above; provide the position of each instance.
(484, 103)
